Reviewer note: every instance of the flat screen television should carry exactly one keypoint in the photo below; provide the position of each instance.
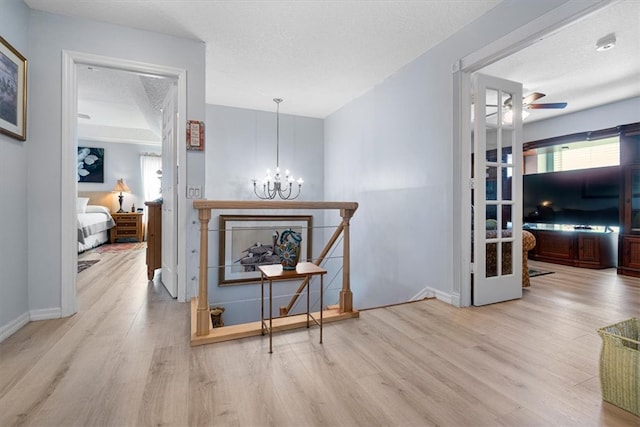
(579, 197)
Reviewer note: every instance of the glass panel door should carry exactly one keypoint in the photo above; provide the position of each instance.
(497, 194)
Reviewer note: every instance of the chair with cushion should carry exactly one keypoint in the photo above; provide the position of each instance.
(528, 243)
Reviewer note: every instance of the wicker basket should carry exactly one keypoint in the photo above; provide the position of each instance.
(620, 364)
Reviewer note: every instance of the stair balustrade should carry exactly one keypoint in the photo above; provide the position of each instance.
(202, 331)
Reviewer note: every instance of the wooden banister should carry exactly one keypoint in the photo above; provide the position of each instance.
(347, 209)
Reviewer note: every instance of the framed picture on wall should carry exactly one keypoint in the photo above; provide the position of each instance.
(90, 164)
(247, 241)
(195, 135)
(13, 92)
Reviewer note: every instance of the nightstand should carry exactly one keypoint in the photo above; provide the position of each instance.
(128, 225)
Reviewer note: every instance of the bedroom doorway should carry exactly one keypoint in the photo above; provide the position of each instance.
(69, 185)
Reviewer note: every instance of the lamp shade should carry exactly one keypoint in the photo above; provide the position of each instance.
(121, 186)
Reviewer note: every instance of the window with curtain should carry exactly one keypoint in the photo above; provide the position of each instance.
(151, 169)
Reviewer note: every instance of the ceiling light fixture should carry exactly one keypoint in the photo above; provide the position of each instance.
(277, 185)
(507, 116)
(607, 42)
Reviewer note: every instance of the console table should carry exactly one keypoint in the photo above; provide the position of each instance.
(577, 246)
(275, 272)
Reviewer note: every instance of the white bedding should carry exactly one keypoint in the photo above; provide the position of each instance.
(93, 226)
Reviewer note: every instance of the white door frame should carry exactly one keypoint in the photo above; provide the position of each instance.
(69, 186)
(541, 27)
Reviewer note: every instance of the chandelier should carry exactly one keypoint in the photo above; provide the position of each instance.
(277, 184)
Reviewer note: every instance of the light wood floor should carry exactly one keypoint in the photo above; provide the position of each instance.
(125, 359)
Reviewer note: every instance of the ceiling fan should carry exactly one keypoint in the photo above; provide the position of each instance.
(528, 102)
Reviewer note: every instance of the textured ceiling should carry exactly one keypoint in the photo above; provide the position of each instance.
(567, 68)
(117, 106)
(319, 55)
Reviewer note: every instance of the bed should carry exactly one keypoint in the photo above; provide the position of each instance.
(94, 219)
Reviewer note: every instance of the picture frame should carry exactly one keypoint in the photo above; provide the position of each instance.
(195, 135)
(13, 92)
(239, 233)
(90, 164)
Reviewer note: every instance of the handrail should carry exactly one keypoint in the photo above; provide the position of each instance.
(204, 206)
(271, 204)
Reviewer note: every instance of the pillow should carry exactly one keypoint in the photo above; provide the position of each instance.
(81, 204)
(97, 209)
(492, 224)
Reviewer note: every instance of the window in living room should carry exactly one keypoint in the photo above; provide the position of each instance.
(585, 154)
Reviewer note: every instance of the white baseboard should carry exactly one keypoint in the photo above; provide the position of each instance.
(425, 293)
(45, 314)
(12, 327)
(442, 296)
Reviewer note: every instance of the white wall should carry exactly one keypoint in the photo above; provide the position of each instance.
(14, 162)
(49, 35)
(121, 160)
(391, 150)
(241, 145)
(603, 117)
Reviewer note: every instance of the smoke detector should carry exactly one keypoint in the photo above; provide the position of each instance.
(607, 42)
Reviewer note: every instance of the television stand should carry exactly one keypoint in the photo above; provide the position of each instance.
(577, 246)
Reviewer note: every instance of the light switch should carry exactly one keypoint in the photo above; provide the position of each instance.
(194, 192)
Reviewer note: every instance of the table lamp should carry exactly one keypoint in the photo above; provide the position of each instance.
(121, 186)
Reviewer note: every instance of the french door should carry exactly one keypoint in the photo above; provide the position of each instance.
(497, 190)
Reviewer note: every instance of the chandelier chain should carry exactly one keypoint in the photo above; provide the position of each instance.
(273, 186)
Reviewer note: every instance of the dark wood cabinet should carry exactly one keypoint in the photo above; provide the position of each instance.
(154, 238)
(629, 254)
(559, 244)
(552, 246)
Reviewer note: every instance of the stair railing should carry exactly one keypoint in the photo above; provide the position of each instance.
(204, 207)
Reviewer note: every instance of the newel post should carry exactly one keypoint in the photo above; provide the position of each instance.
(346, 296)
(203, 314)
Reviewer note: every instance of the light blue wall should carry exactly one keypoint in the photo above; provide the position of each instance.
(241, 145)
(603, 117)
(122, 160)
(49, 35)
(391, 150)
(14, 163)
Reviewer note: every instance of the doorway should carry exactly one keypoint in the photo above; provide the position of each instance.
(547, 24)
(69, 188)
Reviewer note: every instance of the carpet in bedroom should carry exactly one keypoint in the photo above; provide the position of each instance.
(84, 264)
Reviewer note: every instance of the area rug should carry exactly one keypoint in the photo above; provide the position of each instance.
(84, 264)
(534, 273)
(118, 247)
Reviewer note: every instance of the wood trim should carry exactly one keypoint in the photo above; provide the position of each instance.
(269, 204)
(347, 209)
(252, 329)
(582, 136)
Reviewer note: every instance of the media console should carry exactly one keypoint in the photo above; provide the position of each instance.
(575, 245)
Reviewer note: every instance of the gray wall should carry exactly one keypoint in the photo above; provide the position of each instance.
(122, 160)
(603, 117)
(48, 35)
(241, 145)
(391, 150)
(14, 162)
